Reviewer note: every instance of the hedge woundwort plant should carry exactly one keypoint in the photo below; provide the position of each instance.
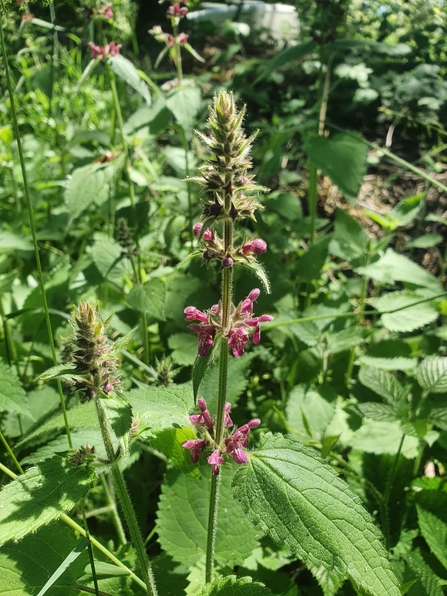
(224, 326)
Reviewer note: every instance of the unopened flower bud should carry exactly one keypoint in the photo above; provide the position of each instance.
(197, 228)
(227, 262)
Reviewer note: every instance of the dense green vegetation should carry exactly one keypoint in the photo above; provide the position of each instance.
(151, 228)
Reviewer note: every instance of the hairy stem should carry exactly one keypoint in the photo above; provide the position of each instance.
(124, 499)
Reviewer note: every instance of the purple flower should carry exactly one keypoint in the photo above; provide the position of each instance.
(205, 335)
(237, 338)
(255, 322)
(175, 11)
(196, 446)
(215, 460)
(256, 247)
(102, 52)
(193, 314)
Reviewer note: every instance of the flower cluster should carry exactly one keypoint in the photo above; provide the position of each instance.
(232, 444)
(103, 52)
(93, 357)
(242, 322)
(167, 38)
(105, 12)
(214, 247)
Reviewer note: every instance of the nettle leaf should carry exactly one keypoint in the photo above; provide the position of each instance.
(106, 254)
(41, 495)
(434, 531)
(342, 158)
(66, 563)
(184, 102)
(169, 442)
(160, 408)
(378, 437)
(150, 298)
(431, 375)
(389, 355)
(298, 499)
(235, 586)
(384, 384)
(12, 395)
(184, 346)
(126, 70)
(312, 261)
(377, 411)
(349, 240)
(428, 583)
(393, 267)
(83, 416)
(89, 185)
(309, 411)
(411, 317)
(11, 241)
(345, 339)
(25, 568)
(182, 519)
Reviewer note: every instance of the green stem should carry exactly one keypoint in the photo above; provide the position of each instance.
(89, 548)
(188, 183)
(80, 530)
(11, 354)
(212, 528)
(112, 507)
(32, 225)
(124, 499)
(10, 452)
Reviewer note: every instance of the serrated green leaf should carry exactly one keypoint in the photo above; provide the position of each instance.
(169, 442)
(377, 411)
(342, 158)
(384, 384)
(431, 375)
(349, 241)
(392, 267)
(389, 355)
(312, 261)
(345, 339)
(60, 445)
(235, 586)
(82, 416)
(24, 567)
(434, 531)
(56, 371)
(89, 185)
(150, 298)
(184, 346)
(160, 408)
(411, 317)
(41, 403)
(428, 583)
(12, 395)
(182, 519)
(383, 437)
(438, 417)
(299, 500)
(41, 495)
(316, 405)
(184, 102)
(106, 254)
(260, 273)
(126, 70)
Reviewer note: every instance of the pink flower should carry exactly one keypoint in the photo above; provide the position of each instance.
(215, 460)
(106, 11)
(205, 335)
(237, 338)
(255, 322)
(197, 228)
(256, 247)
(182, 38)
(102, 52)
(193, 314)
(196, 446)
(175, 11)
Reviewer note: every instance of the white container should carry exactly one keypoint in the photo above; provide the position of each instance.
(280, 20)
